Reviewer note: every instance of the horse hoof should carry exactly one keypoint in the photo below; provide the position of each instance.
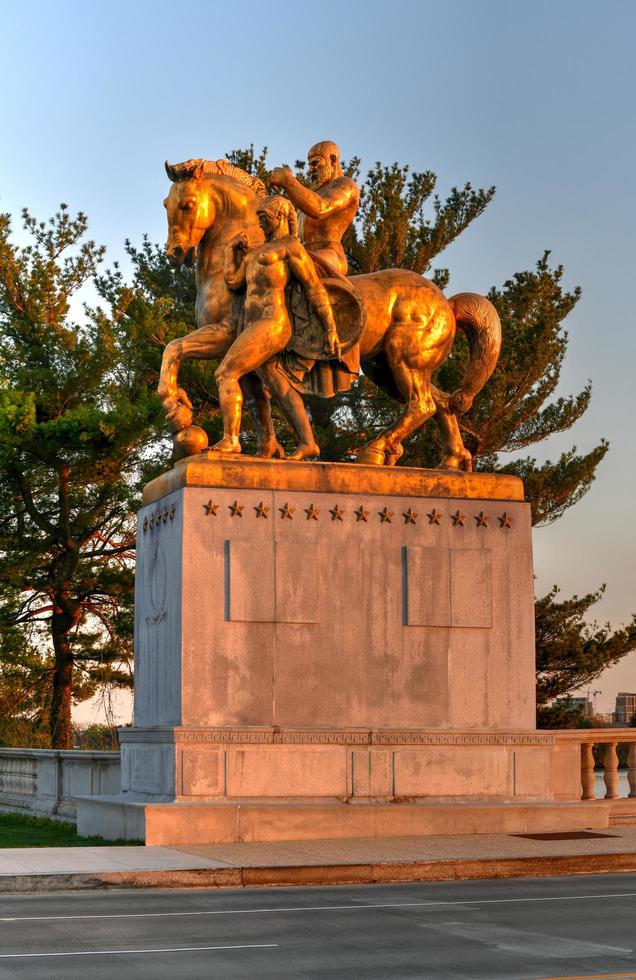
(371, 456)
(275, 451)
(393, 455)
(190, 441)
(457, 463)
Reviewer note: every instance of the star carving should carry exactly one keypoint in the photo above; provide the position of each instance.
(336, 513)
(505, 520)
(361, 514)
(410, 516)
(286, 512)
(145, 524)
(482, 519)
(312, 512)
(262, 510)
(210, 508)
(173, 511)
(385, 515)
(434, 517)
(236, 509)
(458, 518)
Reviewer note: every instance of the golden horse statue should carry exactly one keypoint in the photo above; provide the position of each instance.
(409, 331)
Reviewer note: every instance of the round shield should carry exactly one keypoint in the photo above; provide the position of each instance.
(309, 337)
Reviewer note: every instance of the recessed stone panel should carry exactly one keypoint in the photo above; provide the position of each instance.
(202, 771)
(280, 771)
(425, 584)
(532, 772)
(471, 587)
(452, 771)
(249, 584)
(298, 585)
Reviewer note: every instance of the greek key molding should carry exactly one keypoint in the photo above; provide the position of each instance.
(447, 738)
(233, 736)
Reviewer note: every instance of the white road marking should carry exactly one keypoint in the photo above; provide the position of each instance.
(316, 908)
(127, 952)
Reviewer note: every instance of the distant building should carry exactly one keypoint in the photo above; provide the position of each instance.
(625, 708)
(578, 704)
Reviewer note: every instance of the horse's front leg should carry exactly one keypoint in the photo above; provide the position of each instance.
(204, 344)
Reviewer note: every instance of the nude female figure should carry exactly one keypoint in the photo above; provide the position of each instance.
(264, 271)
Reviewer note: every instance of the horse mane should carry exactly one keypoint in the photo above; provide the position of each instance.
(214, 168)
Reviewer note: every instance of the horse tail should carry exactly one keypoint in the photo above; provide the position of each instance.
(479, 320)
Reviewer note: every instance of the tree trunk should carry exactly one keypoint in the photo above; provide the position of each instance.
(60, 724)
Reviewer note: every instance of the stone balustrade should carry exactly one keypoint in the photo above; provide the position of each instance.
(46, 782)
(609, 739)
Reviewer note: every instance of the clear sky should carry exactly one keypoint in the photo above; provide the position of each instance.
(537, 98)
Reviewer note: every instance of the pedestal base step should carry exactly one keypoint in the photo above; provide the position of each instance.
(213, 823)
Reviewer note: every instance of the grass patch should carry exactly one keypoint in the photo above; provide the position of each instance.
(19, 830)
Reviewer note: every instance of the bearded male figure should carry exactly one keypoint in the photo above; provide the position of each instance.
(327, 208)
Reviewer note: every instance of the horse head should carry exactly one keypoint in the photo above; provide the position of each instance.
(201, 191)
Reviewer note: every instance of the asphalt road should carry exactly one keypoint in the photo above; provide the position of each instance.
(521, 929)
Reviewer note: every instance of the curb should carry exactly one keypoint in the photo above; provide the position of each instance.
(327, 874)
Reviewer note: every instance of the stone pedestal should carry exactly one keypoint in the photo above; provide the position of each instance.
(318, 643)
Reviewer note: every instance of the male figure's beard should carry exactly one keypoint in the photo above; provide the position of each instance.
(320, 177)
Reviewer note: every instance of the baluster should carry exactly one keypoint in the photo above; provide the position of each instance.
(587, 770)
(611, 772)
(631, 768)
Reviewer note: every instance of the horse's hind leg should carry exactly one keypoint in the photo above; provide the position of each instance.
(455, 455)
(415, 385)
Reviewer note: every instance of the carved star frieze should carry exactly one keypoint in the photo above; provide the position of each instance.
(262, 510)
(434, 517)
(145, 524)
(236, 509)
(286, 512)
(482, 519)
(210, 508)
(336, 513)
(312, 512)
(458, 518)
(173, 511)
(361, 514)
(410, 516)
(505, 520)
(385, 515)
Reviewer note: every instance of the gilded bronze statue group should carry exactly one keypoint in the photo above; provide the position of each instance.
(276, 308)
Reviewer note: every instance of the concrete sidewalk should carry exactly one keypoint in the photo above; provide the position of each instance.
(318, 862)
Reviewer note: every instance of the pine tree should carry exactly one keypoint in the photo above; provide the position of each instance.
(76, 416)
(571, 651)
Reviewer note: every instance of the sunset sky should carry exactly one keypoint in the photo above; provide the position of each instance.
(536, 98)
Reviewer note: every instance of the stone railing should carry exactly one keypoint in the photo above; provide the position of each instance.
(609, 739)
(46, 782)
